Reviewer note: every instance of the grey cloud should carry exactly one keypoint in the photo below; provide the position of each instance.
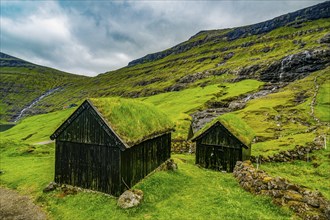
(91, 37)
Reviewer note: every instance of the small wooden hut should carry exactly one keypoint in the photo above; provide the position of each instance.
(223, 142)
(110, 143)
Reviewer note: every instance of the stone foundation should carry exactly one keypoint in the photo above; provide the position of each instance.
(305, 203)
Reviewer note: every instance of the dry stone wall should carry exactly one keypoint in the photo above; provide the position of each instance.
(305, 203)
(298, 153)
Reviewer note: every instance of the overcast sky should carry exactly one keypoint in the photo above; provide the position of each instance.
(92, 37)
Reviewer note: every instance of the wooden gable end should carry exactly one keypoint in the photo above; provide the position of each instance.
(219, 135)
(86, 126)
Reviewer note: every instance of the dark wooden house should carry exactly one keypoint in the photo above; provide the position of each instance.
(219, 146)
(108, 144)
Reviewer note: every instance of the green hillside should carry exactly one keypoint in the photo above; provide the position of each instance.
(282, 120)
(22, 82)
(213, 60)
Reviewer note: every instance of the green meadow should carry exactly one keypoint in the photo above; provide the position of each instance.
(167, 194)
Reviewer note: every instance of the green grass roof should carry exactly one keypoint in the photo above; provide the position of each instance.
(235, 125)
(132, 120)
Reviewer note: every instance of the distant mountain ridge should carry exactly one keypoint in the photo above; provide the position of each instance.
(10, 61)
(294, 19)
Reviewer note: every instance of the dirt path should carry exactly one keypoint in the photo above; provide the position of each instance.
(14, 206)
(313, 103)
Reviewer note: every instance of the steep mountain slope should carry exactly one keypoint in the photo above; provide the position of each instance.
(214, 56)
(294, 19)
(275, 52)
(22, 83)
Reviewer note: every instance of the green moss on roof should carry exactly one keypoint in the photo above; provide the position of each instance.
(235, 125)
(133, 121)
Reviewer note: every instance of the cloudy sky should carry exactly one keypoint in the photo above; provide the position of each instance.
(91, 37)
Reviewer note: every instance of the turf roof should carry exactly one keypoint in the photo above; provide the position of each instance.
(133, 121)
(234, 124)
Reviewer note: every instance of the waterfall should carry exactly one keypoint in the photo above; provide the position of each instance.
(247, 98)
(35, 102)
(285, 62)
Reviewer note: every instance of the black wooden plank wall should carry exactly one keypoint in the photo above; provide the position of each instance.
(138, 161)
(218, 149)
(88, 166)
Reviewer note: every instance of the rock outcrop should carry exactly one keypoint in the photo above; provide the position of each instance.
(304, 202)
(296, 66)
(294, 19)
(184, 82)
(325, 39)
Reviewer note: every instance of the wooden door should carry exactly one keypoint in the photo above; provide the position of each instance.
(217, 157)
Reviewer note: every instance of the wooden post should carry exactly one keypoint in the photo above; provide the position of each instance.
(257, 159)
(325, 141)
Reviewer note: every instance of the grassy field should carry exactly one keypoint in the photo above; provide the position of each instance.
(28, 168)
(176, 195)
(189, 193)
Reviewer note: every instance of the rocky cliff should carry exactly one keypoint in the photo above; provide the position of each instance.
(294, 19)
